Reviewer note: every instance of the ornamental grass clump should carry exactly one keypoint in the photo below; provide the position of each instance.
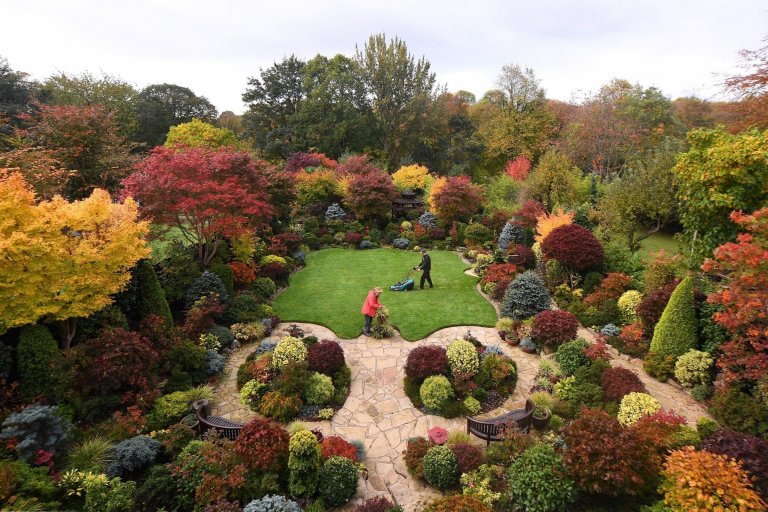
(288, 350)
(380, 327)
(636, 405)
(462, 358)
(441, 468)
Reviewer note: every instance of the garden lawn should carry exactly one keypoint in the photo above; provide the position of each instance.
(657, 242)
(332, 288)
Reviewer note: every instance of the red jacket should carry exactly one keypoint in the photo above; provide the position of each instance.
(371, 304)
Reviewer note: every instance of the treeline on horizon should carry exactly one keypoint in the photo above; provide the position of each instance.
(386, 103)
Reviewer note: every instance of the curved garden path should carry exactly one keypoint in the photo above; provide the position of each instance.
(378, 413)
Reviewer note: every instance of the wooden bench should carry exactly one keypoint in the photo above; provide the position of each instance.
(228, 429)
(493, 429)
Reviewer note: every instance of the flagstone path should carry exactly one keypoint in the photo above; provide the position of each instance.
(379, 413)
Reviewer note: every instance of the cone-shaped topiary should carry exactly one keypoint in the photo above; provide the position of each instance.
(525, 296)
(675, 334)
(151, 296)
(39, 359)
(512, 233)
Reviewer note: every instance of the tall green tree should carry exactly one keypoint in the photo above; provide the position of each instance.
(160, 106)
(555, 181)
(273, 102)
(17, 96)
(336, 116)
(401, 89)
(613, 126)
(112, 93)
(643, 200)
(719, 174)
(514, 119)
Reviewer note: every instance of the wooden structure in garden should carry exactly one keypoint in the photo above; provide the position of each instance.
(493, 429)
(408, 205)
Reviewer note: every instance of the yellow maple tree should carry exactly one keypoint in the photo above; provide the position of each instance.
(62, 261)
(434, 189)
(412, 177)
(547, 222)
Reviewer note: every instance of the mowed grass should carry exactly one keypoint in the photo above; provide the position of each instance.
(332, 288)
(657, 242)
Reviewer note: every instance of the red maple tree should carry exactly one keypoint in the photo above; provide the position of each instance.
(744, 298)
(457, 200)
(208, 194)
(518, 168)
(370, 195)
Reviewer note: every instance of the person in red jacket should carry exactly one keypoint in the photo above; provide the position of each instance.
(370, 307)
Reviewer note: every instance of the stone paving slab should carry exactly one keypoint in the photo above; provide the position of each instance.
(378, 413)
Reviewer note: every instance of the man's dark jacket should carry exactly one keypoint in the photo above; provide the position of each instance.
(426, 263)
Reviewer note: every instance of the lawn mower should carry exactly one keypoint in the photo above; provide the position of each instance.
(404, 284)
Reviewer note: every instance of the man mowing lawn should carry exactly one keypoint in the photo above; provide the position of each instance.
(426, 267)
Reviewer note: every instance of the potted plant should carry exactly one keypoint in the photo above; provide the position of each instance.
(504, 326)
(528, 346)
(542, 411)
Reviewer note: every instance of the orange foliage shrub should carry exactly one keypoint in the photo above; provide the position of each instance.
(706, 482)
(547, 222)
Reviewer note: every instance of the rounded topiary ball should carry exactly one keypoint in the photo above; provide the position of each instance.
(435, 392)
(338, 481)
(440, 467)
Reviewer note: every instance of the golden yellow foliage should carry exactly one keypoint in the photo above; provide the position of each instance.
(412, 177)
(546, 223)
(437, 186)
(63, 260)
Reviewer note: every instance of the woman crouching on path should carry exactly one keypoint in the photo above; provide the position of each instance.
(370, 307)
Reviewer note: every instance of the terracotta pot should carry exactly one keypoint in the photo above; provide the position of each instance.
(541, 423)
(513, 342)
(528, 350)
(318, 435)
(503, 335)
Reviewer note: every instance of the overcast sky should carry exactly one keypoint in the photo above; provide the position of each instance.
(684, 47)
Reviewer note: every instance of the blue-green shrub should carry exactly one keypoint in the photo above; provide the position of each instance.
(272, 503)
(205, 285)
(36, 428)
(525, 296)
(133, 455)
